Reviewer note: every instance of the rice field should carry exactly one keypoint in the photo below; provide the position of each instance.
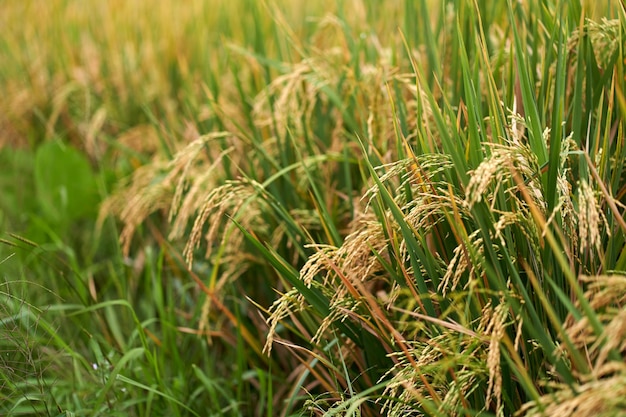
(333, 208)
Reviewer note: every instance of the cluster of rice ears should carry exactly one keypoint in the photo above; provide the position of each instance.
(430, 217)
(441, 218)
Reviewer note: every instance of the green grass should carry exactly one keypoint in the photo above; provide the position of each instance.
(312, 208)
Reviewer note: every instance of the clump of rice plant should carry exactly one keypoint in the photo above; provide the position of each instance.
(449, 291)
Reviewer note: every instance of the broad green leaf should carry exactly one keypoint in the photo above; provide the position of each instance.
(65, 183)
